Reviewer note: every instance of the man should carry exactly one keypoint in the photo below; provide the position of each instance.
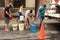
(41, 11)
(7, 16)
(28, 14)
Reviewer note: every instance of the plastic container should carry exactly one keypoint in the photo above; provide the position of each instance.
(21, 18)
(14, 27)
(10, 18)
(21, 27)
(33, 27)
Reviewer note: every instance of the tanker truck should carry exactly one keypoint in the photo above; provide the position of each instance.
(54, 11)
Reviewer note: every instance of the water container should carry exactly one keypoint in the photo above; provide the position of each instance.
(33, 27)
(22, 18)
(14, 27)
(21, 27)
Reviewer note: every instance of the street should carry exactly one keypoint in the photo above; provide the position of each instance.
(47, 9)
(52, 31)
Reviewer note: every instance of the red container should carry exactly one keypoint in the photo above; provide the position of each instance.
(10, 18)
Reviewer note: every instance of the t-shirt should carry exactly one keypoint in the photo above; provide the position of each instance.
(6, 9)
(27, 13)
(41, 10)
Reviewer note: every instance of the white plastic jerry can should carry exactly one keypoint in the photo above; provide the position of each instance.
(21, 18)
(21, 27)
(14, 27)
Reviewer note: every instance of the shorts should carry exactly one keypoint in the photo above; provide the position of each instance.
(20, 13)
(27, 20)
(6, 20)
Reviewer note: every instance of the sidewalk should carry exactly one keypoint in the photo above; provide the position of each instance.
(22, 35)
(47, 21)
(26, 34)
(17, 34)
(2, 23)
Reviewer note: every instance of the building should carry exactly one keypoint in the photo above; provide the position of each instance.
(42, 2)
(2, 4)
(27, 4)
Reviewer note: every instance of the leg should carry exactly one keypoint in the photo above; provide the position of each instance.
(20, 14)
(27, 23)
(18, 18)
(6, 27)
(6, 24)
(41, 20)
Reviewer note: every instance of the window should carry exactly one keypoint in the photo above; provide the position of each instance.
(17, 3)
(1, 3)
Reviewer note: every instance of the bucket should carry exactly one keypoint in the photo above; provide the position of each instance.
(21, 27)
(22, 18)
(10, 18)
(33, 27)
(14, 27)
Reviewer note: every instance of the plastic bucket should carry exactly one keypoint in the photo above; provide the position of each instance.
(21, 27)
(33, 27)
(14, 27)
(22, 18)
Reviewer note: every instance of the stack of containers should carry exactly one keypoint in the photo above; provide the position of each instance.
(21, 23)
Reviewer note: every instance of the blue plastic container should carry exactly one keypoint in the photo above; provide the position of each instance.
(33, 27)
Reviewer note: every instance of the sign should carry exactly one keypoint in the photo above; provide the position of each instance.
(56, 1)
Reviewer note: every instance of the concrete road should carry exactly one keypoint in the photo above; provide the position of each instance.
(52, 31)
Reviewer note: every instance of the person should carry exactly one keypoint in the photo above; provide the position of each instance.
(57, 8)
(20, 12)
(7, 16)
(41, 11)
(28, 14)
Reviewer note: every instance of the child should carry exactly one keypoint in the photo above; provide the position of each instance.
(28, 14)
(20, 12)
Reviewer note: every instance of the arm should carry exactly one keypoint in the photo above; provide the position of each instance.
(9, 11)
(8, 14)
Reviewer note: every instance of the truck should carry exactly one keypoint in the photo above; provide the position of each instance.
(54, 11)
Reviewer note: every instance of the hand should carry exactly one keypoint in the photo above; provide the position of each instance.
(9, 15)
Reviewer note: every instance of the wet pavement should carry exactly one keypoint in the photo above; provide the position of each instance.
(52, 31)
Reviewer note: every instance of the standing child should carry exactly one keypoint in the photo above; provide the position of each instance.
(20, 12)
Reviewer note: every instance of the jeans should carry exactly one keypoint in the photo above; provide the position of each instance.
(41, 20)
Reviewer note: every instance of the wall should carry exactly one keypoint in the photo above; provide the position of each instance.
(30, 3)
(6, 2)
(2, 11)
